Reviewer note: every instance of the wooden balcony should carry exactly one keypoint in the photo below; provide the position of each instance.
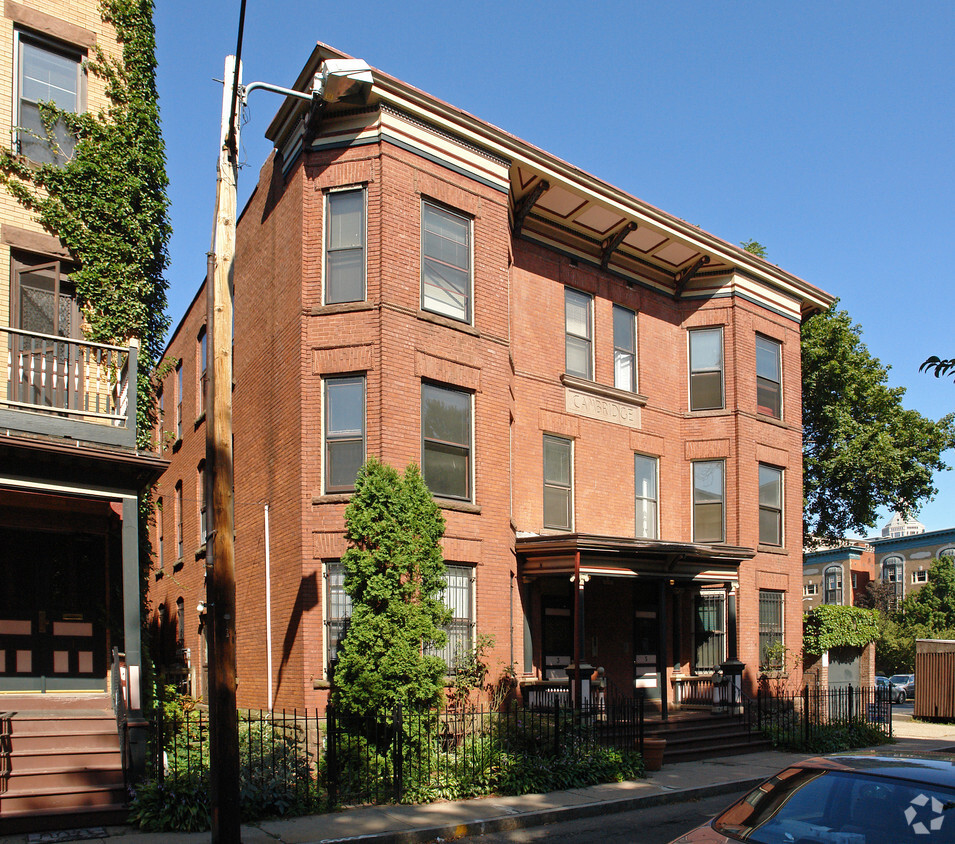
(62, 387)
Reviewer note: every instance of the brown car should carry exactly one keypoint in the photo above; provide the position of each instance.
(862, 797)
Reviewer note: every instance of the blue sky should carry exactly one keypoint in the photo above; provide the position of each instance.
(823, 130)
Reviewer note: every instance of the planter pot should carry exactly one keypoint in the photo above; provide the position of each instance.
(653, 752)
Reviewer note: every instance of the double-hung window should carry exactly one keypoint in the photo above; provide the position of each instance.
(645, 493)
(768, 377)
(344, 431)
(832, 585)
(706, 369)
(578, 333)
(445, 262)
(51, 73)
(770, 629)
(446, 441)
(179, 520)
(345, 246)
(457, 597)
(201, 472)
(708, 496)
(160, 557)
(558, 483)
(337, 611)
(179, 400)
(770, 505)
(624, 349)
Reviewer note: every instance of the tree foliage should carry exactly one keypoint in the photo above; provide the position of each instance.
(394, 575)
(833, 626)
(754, 247)
(108, 202)
(862, 449)
(933, 606)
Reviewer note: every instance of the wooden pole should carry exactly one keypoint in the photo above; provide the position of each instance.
(220, 544)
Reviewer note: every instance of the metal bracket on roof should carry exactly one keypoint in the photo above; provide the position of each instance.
(683, 279)
(523, 208)
(611, 244)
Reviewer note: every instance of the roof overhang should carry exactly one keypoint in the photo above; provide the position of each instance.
(561, 206)
(50, 462)
(620, 556)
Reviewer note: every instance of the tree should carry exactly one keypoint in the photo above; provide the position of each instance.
(862, 449)
(108, 201)
(754, 247)
(394, 575)
(933, 606)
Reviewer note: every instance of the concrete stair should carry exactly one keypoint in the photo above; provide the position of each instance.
(60, 763)
(703, 735)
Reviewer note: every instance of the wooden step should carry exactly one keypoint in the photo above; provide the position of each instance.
(91, 739)
(79, 777)
(46, 757)
(29, 820)
(43, 799)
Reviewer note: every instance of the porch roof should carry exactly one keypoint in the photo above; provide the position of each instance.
(622, 556)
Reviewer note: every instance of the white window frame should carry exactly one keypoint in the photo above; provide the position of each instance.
(327, 620)
(24, 38)
(553, 485)
(810, 589)
(469, 497)
(447, 653)
(704, 370)
(920, 576)
(326, 234)
(655, 528)
(588, 338)
(780, 510)
(620, 352)
(778, 348)
(838, 592)
(435, 308)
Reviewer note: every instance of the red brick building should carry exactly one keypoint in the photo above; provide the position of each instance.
(604, 399)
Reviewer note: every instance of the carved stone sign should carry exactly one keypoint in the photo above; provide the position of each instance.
(597, 407)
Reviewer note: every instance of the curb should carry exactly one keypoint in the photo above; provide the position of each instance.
(508, 823)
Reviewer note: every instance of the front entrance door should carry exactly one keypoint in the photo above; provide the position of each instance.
(53, 611)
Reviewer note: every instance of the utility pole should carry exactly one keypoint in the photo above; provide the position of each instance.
(220, 544)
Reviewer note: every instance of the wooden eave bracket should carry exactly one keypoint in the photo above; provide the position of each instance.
(313, 120)
(523, 208)
(683, 279)
(612, 244)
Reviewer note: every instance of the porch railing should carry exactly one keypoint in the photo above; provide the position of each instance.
(68, 378)
(694, 691)
(119, 688)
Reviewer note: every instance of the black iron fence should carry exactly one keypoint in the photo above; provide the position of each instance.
(797, 718)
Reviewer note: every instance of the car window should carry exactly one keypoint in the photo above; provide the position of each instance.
(834, 807)
(899, 679)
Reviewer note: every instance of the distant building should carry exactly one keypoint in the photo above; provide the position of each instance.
(904, 561)
(899, 527)
(838, 575)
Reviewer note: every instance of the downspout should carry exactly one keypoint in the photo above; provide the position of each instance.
(268, 607)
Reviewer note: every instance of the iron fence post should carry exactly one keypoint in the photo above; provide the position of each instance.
(805, 712)
(397, 753)
(331, 754)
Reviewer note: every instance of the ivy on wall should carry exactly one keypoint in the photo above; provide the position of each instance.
(830, 626)
(108, 202)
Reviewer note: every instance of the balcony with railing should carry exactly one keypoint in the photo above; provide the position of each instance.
(61, 387)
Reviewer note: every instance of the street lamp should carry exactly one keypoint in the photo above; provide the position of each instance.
(338, 80)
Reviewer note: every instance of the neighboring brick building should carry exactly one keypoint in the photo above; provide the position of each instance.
(601, 396)
(837, 575)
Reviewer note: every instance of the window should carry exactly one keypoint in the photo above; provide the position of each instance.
(892, 569)
(645, 493)
(710, 632)
(445, 262)
(708, 501)
(457, 597)
(159, 535)
(832, 585)
(46, 73)
(201, 472)
(180, 627)
(810, 589)
(179, 400)
(203, 373)
(706, 369)
(624, 349)
(337, 612)
(558, 482)
(855, 580)
(768, 377)
(578, 359)
(161, 414)
(179, 520)
(946, 552)
(344, 431)
(770, 505)
(446, 441)
(920, 576)
(770, 629)
(345, 246)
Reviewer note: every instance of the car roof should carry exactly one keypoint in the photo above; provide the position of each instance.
(929, 768)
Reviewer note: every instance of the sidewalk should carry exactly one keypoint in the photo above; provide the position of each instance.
(413, 824)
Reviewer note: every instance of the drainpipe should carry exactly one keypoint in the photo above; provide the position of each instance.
(268, 607)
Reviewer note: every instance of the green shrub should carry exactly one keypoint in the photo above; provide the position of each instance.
(824, 739)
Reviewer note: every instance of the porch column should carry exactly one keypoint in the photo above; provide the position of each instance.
(662, 648)
(731, 645)
(132, 611)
